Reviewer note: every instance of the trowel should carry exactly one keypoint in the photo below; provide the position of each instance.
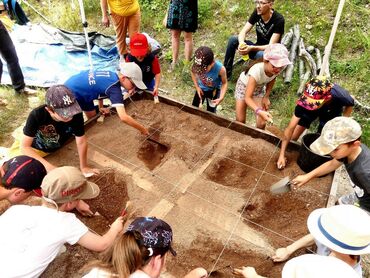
(282, 186)
(157, 142)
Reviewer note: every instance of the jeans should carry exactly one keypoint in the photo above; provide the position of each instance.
(208, 96)
(232, 46)
(8, 53)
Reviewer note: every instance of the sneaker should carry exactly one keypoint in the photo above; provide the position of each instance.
(27, 91)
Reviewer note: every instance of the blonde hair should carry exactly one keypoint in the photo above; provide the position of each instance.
(124, 257)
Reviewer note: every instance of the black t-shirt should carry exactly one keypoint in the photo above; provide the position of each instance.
(149, 66)
(334, 108)
(49, 135)
(265, 30)
(359, 172)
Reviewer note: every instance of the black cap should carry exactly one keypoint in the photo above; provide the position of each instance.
(62, 100)
(23, 172)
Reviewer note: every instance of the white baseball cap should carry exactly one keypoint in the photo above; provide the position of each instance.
(133, 71)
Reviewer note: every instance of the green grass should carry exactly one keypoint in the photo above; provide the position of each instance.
(218, 19)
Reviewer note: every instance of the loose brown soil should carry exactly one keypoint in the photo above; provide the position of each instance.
(207, 178)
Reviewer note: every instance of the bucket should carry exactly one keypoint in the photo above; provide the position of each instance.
(307, 159)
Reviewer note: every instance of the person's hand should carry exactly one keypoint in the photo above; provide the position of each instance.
(243, 49)
(265, 115)
(281, 255)
(105, 21)
(155, 92)
(84, 208)
(104, 111)
(266, 103)
(299, 181)
(145, 132)
(216, 101)
(89, 172)
(281, 163)
(198, 272)
(117, 225)
(247, 272)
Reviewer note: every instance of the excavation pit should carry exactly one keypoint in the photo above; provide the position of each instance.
(211, 185)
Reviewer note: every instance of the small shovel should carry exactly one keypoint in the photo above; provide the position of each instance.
(282, 186)
(157, 142)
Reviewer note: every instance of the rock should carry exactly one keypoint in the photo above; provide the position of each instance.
(308, 26)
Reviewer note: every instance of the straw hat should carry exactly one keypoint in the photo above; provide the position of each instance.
(343, 228)
(316, 266)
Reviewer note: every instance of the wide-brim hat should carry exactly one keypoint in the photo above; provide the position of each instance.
(277, 54)
(344, 229)
(133, 71)
(316, 266)
(67, 184)
(316, 93)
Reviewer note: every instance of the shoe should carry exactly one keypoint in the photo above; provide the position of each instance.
(27, 91)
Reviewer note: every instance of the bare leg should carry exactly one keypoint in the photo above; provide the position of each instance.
(240, 110)
(175, 45)
(188, 39)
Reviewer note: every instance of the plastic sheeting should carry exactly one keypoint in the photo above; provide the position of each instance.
(49, 56)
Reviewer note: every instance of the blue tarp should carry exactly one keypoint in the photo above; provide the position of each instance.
(48, 55)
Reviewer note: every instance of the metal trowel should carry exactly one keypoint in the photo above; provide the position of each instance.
(282, 186)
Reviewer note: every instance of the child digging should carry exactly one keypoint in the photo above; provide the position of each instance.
(140, 54)
(253, 88)
(209, 77)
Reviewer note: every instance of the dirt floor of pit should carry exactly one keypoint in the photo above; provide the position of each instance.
(211, 184)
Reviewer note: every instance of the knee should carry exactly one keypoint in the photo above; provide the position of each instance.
(188, 37)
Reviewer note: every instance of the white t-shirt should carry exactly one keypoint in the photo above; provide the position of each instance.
(31, 237)
(258, 73)
(139, 274)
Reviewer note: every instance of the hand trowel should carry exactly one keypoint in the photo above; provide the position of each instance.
(282, 186)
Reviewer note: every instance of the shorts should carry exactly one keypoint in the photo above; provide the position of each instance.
(240, 88)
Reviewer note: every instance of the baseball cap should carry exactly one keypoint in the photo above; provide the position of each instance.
(133, 71)
(23, 172)
(315, 266)
(202, 59)
(62, 100)
(277, 55)
(66, 184)
(316, 93)
(156, 234)
(344, 229)
(335, 132)
(138, 45)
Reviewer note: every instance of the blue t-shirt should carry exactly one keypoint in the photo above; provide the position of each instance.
(212, 79)
(97, 84)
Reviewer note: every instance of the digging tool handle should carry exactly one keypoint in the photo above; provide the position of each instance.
(155, 141)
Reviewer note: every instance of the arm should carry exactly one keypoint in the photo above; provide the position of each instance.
(104, 11)
(99, 243)
(223, 86)
(251, 86)
(266, 98)
(26, 148)
(199, 90)
(130, 121)
(245, 30)
(322, 170)
(156, 86)
(274, 39)
(288, 132)
(347, 111)
(282, 254)
(81, 142)
(247, 272)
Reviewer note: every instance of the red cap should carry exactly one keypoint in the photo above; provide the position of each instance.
(139, 45)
